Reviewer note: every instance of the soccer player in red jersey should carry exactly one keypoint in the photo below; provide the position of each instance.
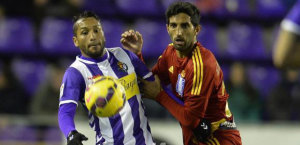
(195, 78)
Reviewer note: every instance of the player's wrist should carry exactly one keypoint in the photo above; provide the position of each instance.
(75, 138)
(71, 133)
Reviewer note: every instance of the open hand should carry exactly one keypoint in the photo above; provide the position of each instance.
(132, 41)
(151, 89)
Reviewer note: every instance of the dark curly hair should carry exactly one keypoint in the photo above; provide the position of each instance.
(183, 7)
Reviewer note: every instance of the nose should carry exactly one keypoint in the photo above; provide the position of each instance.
(92, 36)
(179, 31)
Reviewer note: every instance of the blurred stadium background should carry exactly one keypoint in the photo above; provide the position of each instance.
(36, 47)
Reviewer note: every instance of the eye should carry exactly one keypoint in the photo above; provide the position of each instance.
(96, 30)
(185, 25)
(84, 33)
(172, 25)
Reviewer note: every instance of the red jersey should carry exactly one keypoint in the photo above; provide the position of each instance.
(196, 79)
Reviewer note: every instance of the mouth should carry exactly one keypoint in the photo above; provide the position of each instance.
(94, 45)
(179, 41)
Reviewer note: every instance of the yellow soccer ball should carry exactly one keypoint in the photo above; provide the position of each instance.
(105, 97)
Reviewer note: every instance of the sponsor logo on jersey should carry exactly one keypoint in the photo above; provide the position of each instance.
(122, 66)
(180, 85)
(130, 85)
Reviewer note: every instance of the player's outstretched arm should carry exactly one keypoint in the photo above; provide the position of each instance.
(132, 41)
(75, 138)
(287, 50)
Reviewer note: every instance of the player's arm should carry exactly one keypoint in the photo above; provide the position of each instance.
(195, 105)
(188, 113)
(287, 47)
(287, 50)
(70, 92)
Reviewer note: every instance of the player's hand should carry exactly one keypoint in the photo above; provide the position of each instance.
(132, 41)
(150, 89)
(75, 138)
(203, 130)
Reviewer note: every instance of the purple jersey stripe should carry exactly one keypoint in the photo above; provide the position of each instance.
(74, 85)
(148, 127)
(119, 68)
(97, 128)
(100, 142)
(117, 126)
(137, 131)
(140, 68)
(294, 14)
(94, 69)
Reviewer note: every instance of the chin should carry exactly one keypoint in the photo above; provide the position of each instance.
(179, 48)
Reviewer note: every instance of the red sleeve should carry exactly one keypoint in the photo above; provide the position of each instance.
(196, 102)
(161, 68)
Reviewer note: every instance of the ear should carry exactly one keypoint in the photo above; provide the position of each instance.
(198, 29)
(75, 41)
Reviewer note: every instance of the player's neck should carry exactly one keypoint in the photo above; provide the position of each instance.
(182, 54)
(102, 57)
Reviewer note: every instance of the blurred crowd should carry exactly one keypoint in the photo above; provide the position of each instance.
(36, 48)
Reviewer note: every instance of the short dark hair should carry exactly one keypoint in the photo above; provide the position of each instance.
(85, 14)
(184, 7)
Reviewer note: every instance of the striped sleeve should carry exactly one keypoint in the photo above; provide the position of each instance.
(198, 72)
(140, 68)
(72, 87)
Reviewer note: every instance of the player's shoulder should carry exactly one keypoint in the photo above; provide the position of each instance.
(119, 52)
(72, 72)
(205, 53)
(207, 56)
(114, 49)
(77, 64)
(169, 49)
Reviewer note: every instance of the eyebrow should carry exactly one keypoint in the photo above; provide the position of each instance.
(185, 23)
(92, 26)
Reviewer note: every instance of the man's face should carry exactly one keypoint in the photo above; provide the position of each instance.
(182, 32)
(89, 37)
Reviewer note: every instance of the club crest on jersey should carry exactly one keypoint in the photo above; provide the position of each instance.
(180, 84)
(122, 66)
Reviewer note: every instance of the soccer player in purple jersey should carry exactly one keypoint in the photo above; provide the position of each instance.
(130, 125)
(287, 47)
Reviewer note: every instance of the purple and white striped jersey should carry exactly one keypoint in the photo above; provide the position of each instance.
(292, 21)
(130, 126)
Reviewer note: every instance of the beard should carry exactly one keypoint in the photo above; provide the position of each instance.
(186, 48)
(94, 53)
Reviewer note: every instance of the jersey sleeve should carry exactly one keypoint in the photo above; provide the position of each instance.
(72, 87)
(161, 68)
(292, 20)
(139, 66)
(195, 105)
